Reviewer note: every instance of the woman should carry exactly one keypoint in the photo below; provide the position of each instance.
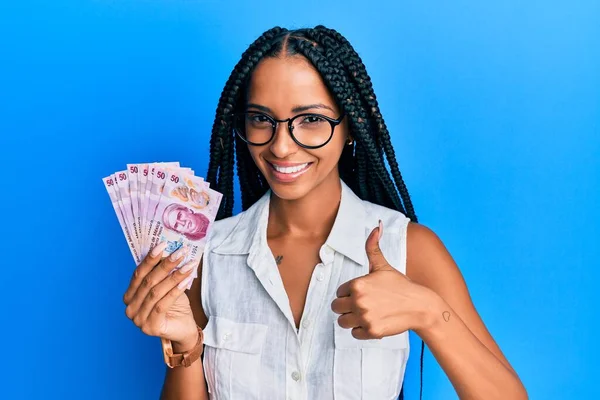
(309, 293)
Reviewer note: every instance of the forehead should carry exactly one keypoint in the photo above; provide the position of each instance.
(283, 83)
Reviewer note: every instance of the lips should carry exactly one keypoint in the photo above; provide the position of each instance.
(288, 172)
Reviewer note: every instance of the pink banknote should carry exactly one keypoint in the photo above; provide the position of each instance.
(156, 202)
(184, 214)
(109, 184)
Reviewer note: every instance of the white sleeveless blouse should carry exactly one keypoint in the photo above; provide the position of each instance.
(253, 349)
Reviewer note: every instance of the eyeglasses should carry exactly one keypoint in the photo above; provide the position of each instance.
(309, 131)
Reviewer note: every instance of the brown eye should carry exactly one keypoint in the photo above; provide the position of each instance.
(312, 120)
(258, 121)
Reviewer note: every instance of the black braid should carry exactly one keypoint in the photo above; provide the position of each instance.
(220, 168)
(362, 165)
(358, 73)
(332, 70)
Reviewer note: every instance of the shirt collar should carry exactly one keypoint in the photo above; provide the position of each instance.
(246, 233)
(347, 236)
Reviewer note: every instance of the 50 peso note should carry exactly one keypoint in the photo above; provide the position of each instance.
(184, 214)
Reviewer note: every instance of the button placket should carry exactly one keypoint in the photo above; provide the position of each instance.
(314, 308)
(326, 254)
(294, 364)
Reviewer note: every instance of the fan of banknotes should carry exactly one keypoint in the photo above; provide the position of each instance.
(158, 202)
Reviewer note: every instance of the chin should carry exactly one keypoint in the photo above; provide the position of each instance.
(289, 191)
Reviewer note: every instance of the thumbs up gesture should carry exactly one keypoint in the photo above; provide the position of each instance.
(382, 303)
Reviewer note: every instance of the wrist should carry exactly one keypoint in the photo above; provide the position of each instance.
(432, 313)
(186, 344)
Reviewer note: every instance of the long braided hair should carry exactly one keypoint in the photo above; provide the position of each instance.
(362, 165)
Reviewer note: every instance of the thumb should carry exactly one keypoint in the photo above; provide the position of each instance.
(377, 261)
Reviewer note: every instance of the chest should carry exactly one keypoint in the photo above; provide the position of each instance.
(252, 349)
(296, 260)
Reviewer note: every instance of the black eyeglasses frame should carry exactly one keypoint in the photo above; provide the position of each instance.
(290, 121)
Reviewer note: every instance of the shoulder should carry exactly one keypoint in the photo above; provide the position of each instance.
(393, 221)
(223, 227)
(421, 237)
(240, 223)
(429, 262)
(233, 234)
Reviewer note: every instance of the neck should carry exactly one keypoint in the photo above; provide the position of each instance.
(312, 215)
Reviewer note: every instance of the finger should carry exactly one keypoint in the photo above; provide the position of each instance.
(352, 287)
(147, 264)
(341, 305)
(165, 267)
(348, 321)
(344, 289)
(360, 333)
(153, 278)
(156, 293)
(376, 259)
(158, 314)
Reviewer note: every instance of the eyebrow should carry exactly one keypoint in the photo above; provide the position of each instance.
(296, 109)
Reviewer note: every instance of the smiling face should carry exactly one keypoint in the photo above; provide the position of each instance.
(283, 88)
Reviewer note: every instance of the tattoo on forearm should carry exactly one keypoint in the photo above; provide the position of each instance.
(446, 316)
(278, 259)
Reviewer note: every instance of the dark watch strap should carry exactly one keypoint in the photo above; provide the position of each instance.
(186, 359)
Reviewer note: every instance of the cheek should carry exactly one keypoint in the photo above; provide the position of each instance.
(330, 154)
(255, 152)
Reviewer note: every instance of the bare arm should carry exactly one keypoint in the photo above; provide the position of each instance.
(188, 383)
(455, 333)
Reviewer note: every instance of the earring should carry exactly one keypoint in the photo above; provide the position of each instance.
(349, 142)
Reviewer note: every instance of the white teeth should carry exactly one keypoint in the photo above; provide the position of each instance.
(290, 170)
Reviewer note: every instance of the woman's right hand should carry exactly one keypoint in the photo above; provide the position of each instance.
(156, 300)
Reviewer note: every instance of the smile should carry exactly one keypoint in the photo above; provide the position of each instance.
(290, 170)
(289, 173)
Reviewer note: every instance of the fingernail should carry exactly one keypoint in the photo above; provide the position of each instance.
(159, 248)
(184, 283)
(380, 232)
(187, 267)
(178, 254)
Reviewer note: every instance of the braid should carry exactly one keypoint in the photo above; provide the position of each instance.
(362, 166)
(331, 67)
(361, 169)
(220, 169)
(347, 166)
(359, 74)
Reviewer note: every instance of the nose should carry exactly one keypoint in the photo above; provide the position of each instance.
(282, 144)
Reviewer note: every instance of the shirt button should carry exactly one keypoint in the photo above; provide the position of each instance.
(305, 323)
(296, 376)
(320, 276)
(226, 336)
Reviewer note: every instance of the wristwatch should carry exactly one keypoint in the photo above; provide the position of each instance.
(186, 358)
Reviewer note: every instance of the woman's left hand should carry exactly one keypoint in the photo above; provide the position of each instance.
(384, 302)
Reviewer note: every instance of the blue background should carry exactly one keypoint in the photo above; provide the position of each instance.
(494, 108)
